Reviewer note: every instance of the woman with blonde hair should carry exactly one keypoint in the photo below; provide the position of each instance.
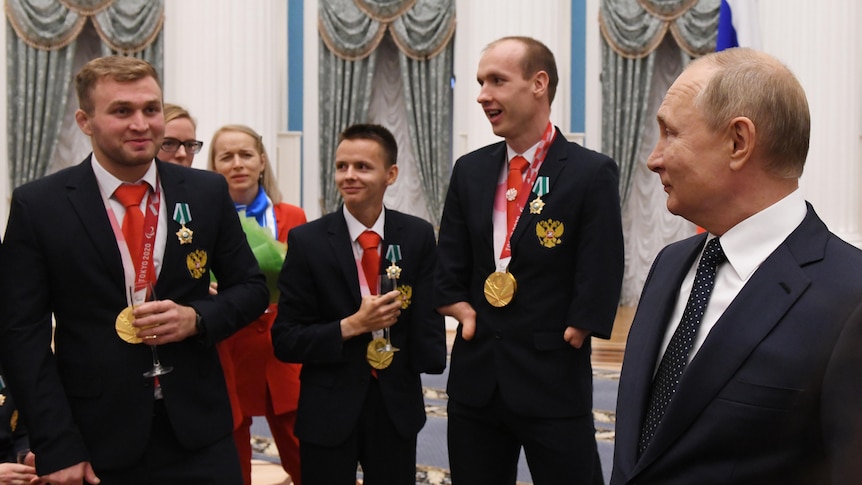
(179, 145)
(264, 386)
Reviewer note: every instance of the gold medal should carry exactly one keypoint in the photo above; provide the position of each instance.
(376, 356)
(500, 287)
(537, 205)
(124, 326)
(185, 235)
(125, 329)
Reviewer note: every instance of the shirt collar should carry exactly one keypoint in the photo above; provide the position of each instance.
(109, 183)
(529, 154)
(750, 242)
(355, 228)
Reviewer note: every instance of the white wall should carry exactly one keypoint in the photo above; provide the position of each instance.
(821, 43)
(224, 62)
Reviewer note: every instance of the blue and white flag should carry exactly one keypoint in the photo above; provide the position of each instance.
(738, 25)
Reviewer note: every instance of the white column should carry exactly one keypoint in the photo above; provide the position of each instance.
(310, 131)
(820, 42)
(225, 62)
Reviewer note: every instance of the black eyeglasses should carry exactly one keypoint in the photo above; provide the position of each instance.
(171, 145)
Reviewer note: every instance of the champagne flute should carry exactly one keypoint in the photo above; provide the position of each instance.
(386, 284)
(21, 456)
(158, 369)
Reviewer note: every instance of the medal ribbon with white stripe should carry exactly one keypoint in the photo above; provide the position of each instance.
(532, 174)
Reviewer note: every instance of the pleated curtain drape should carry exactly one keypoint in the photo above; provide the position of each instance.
(645, 44)
(423, 30)
(41, 47)
(631, 32)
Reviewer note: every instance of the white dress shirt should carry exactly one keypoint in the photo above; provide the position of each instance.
(746, 245)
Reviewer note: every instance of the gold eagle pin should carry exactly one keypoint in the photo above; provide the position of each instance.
(196, 262)
(550, 232)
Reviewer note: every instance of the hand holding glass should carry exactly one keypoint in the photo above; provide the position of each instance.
(21, 456)
(158, 369)
(385, 285)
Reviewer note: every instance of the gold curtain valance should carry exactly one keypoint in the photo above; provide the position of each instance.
(635, 28)
(352, 29)
(126, 26)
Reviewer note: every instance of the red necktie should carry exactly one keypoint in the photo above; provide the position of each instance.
(369, 240)
(133, 223)
(513, 187)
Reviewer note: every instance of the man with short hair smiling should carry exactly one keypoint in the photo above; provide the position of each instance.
(531, 265)
(742, 363)
(358, 401)
(119, 250)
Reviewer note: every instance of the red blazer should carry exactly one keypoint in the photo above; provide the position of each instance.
(247, 356)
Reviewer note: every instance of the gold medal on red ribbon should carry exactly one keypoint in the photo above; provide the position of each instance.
(500, 287)
(376, 355)
(124, 327)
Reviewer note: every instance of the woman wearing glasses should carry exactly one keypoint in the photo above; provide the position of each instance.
(264, 386)
(179, 145)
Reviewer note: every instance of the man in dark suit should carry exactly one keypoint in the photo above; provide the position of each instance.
(531, 265)
(90, 411)
(757, 383)
(356, 403)
(16, 461)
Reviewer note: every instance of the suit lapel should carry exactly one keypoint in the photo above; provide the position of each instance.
(649, 326)
(340, 243)
(86, 200)
(174, 190)
(482, 215)
(552, 167)
(773, 289)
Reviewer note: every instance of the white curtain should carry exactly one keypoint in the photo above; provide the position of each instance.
(388, 108)
(647, 224)
(72, 144)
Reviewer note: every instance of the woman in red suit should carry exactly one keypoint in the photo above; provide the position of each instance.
(260, 384)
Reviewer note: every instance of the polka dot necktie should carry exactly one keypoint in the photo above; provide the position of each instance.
(675, 358)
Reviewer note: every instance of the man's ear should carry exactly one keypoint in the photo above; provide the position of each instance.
(540, 83)
(83, 122)
(742, 136)
(391, 174)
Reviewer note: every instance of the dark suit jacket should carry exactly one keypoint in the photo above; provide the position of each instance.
(319, 286)
(575, 282)
(769, 397)
(89, 399)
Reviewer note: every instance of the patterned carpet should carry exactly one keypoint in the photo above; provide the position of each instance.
(432, 440)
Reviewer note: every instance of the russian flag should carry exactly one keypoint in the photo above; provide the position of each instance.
(738, 25)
